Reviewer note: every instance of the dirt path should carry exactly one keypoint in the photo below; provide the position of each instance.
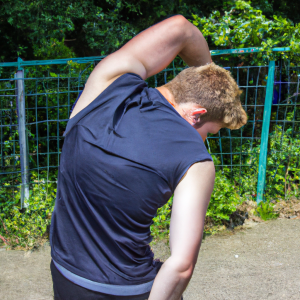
(267, 266)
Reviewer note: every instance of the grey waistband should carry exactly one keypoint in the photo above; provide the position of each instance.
(111, 289)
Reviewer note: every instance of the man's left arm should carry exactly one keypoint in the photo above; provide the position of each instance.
(147, 54)
(154, 49)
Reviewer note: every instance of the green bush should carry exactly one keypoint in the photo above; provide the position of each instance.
(223, 203)
(243, 26)
(161, 222)
(283, 171)
(27, 227)
(224, 199)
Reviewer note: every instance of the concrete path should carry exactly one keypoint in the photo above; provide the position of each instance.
(262, 262)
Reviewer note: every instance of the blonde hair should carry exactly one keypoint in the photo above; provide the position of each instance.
(213, 88)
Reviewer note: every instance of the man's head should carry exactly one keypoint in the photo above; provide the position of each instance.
(212, 88)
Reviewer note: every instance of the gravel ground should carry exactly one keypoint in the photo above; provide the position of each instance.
(259, 262)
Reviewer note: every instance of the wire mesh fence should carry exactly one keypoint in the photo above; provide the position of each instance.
(49, 91)
(10, 177)
(51, 87)
(283, 168)
(236, 152)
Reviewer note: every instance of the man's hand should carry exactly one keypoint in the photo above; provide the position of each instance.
(147, 54)
(191, 199)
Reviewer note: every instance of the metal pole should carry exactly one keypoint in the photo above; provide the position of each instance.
(19, 76)
(265, 134)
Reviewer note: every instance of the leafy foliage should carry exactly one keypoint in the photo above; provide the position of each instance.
(244, 26)
(161, 222)
(224, 199)
(283, 171)
(223, 203)
(84, 27)
(25, 228)
(59, 29)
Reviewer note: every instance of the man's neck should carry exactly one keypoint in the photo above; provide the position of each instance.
(168, 95)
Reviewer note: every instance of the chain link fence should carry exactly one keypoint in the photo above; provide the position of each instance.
(261, 158)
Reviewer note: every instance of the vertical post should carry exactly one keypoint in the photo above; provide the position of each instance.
(19, 76)
(265, 134)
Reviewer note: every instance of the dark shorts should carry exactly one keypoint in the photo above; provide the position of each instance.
(67, 290)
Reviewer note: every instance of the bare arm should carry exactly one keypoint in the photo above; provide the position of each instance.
(147, 54)
(154, 49)
(191, 199)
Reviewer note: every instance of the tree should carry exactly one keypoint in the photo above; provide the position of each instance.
(40, 29)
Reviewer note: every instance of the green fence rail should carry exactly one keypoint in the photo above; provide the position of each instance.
(35, 102)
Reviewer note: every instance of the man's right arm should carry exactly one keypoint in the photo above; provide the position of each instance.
(191, 199)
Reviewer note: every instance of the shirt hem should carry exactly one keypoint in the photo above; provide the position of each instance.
(111, 289)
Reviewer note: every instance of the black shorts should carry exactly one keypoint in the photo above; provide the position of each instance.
(67, 290)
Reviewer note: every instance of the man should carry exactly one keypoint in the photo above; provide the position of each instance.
(127, 149)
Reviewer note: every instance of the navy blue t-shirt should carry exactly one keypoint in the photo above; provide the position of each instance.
(122, 158)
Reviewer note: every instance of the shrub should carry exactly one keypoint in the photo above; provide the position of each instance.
(244, 26)
(224, 198)
(27, 227)
(223, 203)
(161, 222)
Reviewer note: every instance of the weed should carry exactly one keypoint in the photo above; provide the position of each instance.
(265, 211)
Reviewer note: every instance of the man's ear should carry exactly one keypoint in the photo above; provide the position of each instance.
(199, 111)
(196, 114)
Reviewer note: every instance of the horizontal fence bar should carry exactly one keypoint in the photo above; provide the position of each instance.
(248, 50)
(78, 60)
(82, 60)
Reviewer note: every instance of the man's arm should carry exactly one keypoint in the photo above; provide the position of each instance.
(147, 54)
(191, 199)
(155, 48)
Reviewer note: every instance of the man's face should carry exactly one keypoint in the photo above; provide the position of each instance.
(213, 127)
(207, 127)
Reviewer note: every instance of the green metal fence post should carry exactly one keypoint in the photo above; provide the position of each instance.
(265, 134)
(24, 159)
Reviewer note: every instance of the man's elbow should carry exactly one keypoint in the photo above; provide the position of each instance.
(187, 271)
(184, 267)
(181, 25)
(180, 19)
(182, 22)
